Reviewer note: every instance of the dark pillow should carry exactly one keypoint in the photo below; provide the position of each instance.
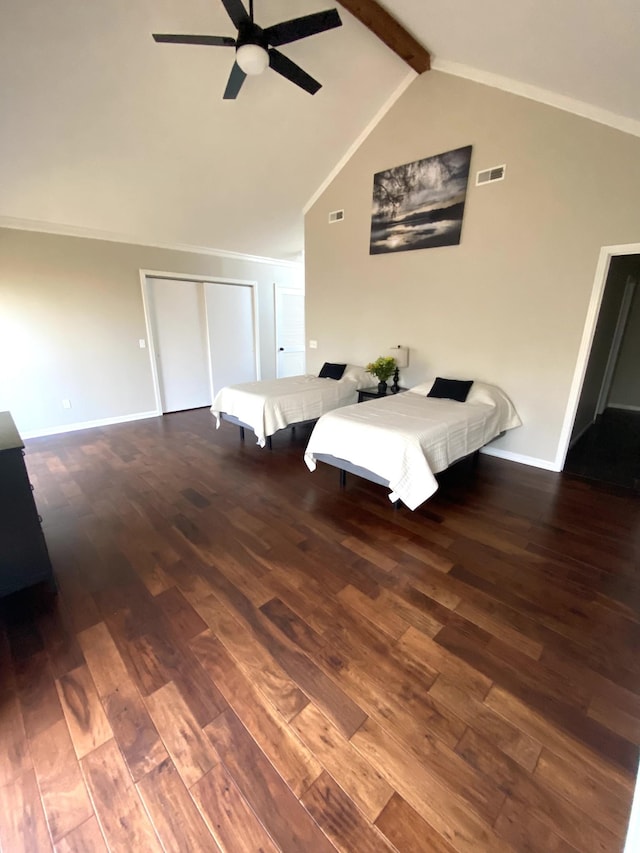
(332, 371)
(451, 389)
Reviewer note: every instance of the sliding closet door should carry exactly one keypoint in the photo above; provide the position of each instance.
(180, 336)
(231, 327)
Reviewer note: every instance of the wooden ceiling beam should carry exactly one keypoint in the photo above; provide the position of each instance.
(382, 24)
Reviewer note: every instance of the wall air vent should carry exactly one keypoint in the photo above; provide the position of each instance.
(336, 216)
(488, 176)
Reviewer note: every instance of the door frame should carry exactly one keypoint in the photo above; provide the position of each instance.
(145, 275)
(597, 292)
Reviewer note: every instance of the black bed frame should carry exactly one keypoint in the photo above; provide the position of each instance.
(345, 467)
(232, 419)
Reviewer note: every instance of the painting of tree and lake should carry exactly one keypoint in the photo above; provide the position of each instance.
(420, 205)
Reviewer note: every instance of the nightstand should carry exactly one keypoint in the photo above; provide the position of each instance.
(372, 393)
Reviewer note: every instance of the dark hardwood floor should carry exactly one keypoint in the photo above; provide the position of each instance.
(609, 451)
(243, 657)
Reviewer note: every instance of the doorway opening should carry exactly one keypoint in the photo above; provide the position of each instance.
(604, 443)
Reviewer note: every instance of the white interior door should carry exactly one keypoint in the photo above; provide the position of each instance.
(291, 356)
(232, 338)
(180, 341)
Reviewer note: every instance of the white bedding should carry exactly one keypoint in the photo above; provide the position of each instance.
(273, 404)
(407, 438)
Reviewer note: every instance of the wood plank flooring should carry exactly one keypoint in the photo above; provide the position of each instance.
(243, 657)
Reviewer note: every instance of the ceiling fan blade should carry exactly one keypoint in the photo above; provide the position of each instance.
(220, 41)
(237, 12)
(300, 28)
(234, 83)
(283, 65)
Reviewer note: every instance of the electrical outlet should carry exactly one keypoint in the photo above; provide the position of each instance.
(66, 404)
(313, 344)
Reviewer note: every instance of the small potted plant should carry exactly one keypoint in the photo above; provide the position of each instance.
(382, 368)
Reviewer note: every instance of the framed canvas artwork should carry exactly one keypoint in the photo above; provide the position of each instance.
(420, 205)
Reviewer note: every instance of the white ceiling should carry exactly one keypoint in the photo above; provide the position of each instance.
(104, 130)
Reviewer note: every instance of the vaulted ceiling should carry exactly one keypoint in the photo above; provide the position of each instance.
(104, 130)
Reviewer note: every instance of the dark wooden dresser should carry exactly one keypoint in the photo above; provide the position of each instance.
(24, 559)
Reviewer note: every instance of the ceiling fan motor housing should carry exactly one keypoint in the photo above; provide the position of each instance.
(252, 49)
(250, 33)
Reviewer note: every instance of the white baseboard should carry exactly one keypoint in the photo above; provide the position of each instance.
(138, 416)
(521, 458)
(623, 407)
(59, 430)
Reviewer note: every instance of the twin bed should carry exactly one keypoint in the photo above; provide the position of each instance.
(271, 405)
(400, 441)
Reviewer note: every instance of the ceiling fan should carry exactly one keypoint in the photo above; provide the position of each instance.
(256, 47)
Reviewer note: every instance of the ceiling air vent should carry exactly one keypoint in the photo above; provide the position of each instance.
(487, 176)
(336, 216)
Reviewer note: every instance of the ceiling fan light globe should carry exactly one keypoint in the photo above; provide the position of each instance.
(252, 58)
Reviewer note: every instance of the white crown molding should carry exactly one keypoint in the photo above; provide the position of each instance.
(95, 234)
(544, 96)
(384, 109)
(60, 430)
(525, 90)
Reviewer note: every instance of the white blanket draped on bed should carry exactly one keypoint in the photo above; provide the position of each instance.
(407, 438)
(270, 405)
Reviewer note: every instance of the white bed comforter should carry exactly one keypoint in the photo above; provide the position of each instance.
(269, 405)
(407, 438)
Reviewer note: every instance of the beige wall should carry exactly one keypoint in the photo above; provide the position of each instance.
(507, 305)
(71, 316)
